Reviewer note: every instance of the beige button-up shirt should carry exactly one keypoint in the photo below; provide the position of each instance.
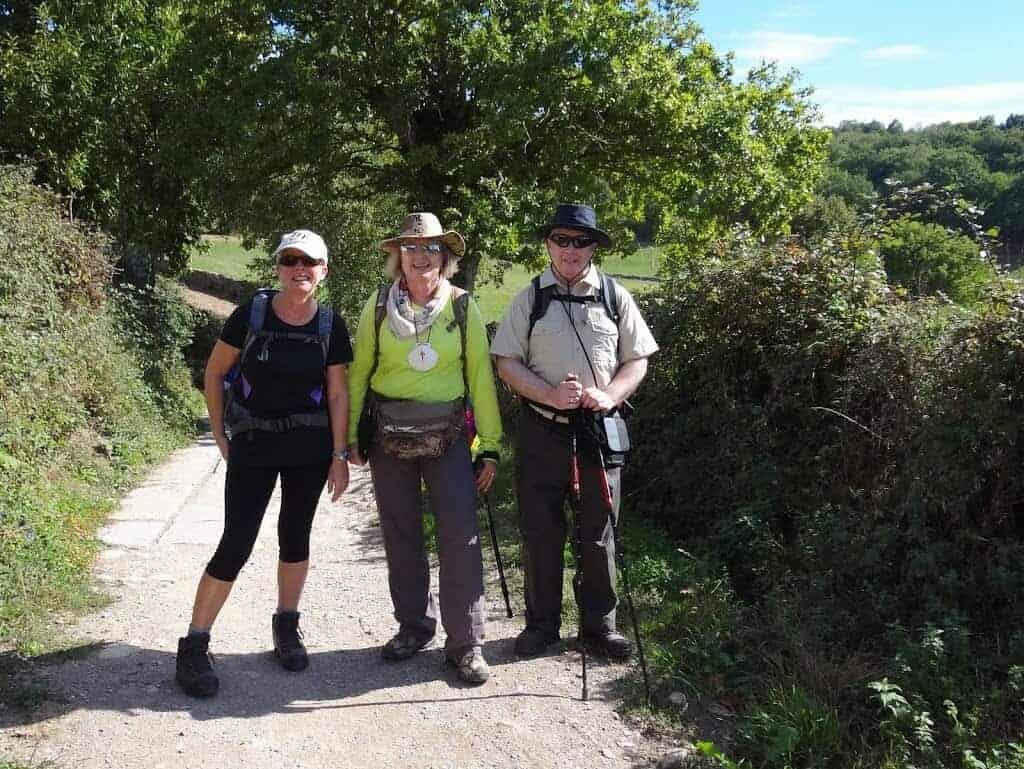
(553, 350)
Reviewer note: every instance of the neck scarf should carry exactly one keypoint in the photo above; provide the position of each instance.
(405, 319)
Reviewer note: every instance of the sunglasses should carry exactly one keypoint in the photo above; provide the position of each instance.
(429, 248)
(290, 260)
(576, 241)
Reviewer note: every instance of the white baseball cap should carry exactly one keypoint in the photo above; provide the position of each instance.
(306, 241)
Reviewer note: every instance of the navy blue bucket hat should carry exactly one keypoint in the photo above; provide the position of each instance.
(576, 216)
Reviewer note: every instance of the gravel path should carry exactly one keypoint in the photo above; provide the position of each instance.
(112, 702)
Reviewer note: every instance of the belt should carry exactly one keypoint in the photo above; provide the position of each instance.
(551, 416)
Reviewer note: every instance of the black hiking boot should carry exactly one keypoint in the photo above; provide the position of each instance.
(288, 644)
(194, 666)
(609, 643)
(533, 640)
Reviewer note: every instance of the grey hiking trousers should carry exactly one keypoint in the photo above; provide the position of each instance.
(452, 495)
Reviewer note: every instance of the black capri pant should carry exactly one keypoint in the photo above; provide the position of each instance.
(247, 493)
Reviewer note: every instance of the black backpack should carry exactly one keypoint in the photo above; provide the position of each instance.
(237, 389)
(606, 295)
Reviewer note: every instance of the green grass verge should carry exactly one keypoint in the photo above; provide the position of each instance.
(224, 255)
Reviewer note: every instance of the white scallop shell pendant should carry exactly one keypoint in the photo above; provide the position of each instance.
(422, 356)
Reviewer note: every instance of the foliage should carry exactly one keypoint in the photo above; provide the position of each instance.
(487, 113)
(848, 464)
(926, 260)
(95, 96)
(982, 161)
(78, 418)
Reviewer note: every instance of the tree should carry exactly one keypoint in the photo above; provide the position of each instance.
(489, 112)
(86, 93)
(926, 259)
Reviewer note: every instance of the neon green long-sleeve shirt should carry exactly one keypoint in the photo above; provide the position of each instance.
(395, 378)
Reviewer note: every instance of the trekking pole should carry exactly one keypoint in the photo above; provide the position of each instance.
(577, 580)
(497, 552)
(620, 551)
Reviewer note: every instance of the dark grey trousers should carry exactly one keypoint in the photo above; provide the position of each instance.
(543, 483)
(452, 495)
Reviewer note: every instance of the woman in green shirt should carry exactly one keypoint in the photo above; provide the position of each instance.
(410, 364)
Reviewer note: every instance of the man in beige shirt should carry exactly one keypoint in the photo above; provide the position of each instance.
(576, 358)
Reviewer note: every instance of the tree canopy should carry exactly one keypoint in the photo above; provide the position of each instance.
(272, 114)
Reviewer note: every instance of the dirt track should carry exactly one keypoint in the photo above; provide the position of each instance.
(112, 701)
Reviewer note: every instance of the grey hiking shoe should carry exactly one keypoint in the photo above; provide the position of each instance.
(470, 665)
(288, 644)
(404, 644)
(194, 666)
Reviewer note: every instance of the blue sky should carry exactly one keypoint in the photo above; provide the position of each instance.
(916, 61)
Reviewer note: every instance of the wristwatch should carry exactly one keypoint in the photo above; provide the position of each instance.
(343, 454)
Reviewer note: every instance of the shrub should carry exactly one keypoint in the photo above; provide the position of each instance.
(79, 415)
(926, 259)
(851, 463)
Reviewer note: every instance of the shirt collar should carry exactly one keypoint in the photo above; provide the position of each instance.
(589, 282)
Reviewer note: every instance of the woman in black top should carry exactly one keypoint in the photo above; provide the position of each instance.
(276, 384)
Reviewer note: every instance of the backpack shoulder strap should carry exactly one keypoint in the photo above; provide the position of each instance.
(379, 311)
(324, 326)
(541, 300)
(460, 309)
(257, 317)
(610, 298)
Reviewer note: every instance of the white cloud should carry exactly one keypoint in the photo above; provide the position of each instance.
(902, 51)
(921, 106)
(787, 48)
(791, 11)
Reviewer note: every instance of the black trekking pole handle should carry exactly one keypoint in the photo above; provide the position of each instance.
(577, 579)
(497, 553)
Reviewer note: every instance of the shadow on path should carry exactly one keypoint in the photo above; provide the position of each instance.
(129, 679)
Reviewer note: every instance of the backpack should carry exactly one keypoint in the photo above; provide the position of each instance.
(237, 389)
(606, 295)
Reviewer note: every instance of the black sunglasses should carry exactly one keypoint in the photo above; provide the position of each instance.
(577, 241)
(290, 260)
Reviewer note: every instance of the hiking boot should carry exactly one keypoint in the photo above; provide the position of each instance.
(534, 640)
(194, 666)
(610, 643)
(404, 644)
(288, 644)
(470, 665)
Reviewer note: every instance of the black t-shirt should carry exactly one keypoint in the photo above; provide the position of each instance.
(291, 380)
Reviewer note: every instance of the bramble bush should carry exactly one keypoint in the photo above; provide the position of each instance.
(90, 391)
(849, 462)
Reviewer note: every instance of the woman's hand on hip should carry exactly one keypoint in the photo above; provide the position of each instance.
(337, 479)
(222, 444)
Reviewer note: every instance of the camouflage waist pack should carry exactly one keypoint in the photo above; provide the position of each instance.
(415, 430)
